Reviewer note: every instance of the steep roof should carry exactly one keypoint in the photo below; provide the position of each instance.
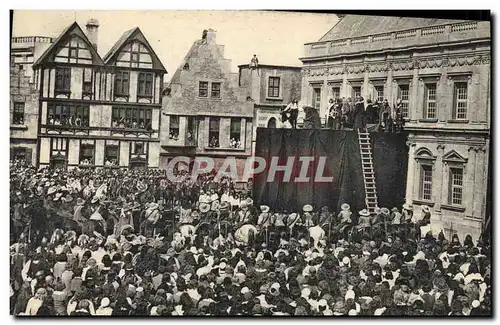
(360, 25)
(74, 28)
(114, 49)
(134, 33)
(177, 75)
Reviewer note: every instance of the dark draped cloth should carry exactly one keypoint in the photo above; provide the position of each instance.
(343, 164)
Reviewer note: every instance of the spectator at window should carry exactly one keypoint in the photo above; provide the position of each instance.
(174, 135)
(399, 120)
(57, 122)
(214, 142)
(51, 119)
(78, 121)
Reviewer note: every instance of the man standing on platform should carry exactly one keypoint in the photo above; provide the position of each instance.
(359, 117)
(293, 110)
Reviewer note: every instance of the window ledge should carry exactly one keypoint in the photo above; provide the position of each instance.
(274, 98)
(62, 92)
(131, 130)
(422, 202)
(472, 218)
(458, 121)
(180, 145)
(18, 126)
(428, 120)
(50, 126)
(456, 208)
(87, 166)
(225, 149)
(211, 98)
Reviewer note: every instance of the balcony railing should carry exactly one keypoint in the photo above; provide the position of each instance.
(32, 39)
(420, 36)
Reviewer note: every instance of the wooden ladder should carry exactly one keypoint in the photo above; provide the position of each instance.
(368, 172)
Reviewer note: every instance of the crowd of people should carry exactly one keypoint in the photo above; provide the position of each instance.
(131, 242)
(346, 114)
(75, 120)
(126, 123)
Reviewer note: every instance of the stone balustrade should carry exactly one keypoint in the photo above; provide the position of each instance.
(32, 39)
(411, 37)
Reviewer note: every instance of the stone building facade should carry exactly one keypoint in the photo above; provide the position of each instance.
(99, 111)
(271, 87)
(440, 69)
(26, 50)
(23, 115)
(205, 111)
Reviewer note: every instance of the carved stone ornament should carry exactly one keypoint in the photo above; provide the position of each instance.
(440, 146)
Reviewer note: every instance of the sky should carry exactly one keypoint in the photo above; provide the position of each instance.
(276, 37)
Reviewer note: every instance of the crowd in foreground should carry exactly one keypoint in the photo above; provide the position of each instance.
(113, 242)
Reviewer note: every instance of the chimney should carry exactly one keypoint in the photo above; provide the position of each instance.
(92, 30)
(211, 36)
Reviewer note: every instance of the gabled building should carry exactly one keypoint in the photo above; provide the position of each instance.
(99, 112)
(205, 111)
(23, 115)
(271, 87)
(440, 70)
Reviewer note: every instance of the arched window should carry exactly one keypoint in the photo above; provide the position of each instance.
(135, 55)
(271, 123)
